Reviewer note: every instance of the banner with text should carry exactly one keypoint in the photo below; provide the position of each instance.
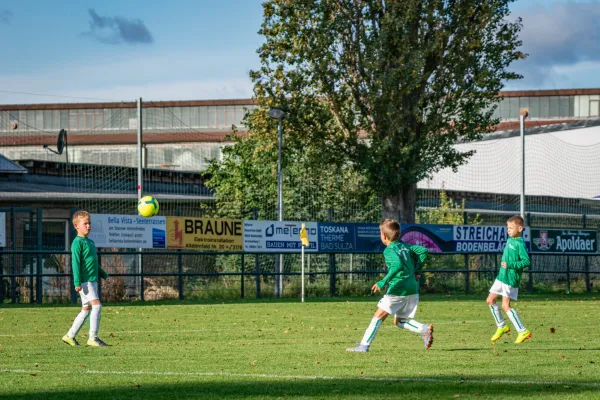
(568, 241)
(278, 236)
(459, 238)
(128, 231)
(347, 238)
(212, 234)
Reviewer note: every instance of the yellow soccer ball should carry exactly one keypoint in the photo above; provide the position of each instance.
(147, 206)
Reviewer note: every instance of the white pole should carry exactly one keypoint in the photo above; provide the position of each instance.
(302, 274)
(522, 127)
(279, 277)
(140, 179)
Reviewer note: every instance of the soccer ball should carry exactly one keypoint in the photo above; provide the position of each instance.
(148, 206)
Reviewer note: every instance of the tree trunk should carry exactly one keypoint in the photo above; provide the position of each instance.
(400, 206)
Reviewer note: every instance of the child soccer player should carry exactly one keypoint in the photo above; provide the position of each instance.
(86, 272)
(402, 296)
(514, 260)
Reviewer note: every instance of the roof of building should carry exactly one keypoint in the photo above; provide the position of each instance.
(9, 167)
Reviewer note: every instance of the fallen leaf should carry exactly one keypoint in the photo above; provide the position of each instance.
(552, 330)
(111, 334)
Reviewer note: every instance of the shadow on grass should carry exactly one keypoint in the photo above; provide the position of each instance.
(223, 387)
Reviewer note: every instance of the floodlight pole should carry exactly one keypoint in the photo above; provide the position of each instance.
(522, 115)
(139, 149)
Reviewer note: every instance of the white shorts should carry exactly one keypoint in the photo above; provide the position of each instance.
(401, 306)
(88, 292)
(504, 290)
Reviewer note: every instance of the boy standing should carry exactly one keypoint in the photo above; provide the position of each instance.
(514, 260)
(402, 296)
(86, 272)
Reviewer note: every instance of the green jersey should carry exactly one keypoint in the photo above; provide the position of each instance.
(516, 258)
(84, 261)
(403, 262)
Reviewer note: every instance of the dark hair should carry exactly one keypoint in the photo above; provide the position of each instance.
(390, 228)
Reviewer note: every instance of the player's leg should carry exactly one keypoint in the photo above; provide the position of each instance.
(380, 315)
(80, 319)
(404, 319)
(513, 315)
(502, 328)
(92, 293)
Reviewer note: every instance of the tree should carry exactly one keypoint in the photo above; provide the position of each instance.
(387, 86)
(245, 179)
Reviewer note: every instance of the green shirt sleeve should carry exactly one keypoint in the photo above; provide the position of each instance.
(393, 263)
(421, 253)
(76, 262)
(523, 261)
(102, 272)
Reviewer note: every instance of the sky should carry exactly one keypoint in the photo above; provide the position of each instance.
(80, 50)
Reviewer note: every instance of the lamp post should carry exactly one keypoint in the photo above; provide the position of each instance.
(523, 113)
(279, 115)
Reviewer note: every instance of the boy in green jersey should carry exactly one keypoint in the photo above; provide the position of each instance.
(514, 260)
(402, 296)
(86, 273)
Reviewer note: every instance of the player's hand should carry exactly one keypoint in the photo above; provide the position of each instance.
(375, 288)
(77, 288)
(417, 276)
(503, 264)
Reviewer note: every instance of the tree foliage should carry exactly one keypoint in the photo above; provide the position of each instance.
(386, 87)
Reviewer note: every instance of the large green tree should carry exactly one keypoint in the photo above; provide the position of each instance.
(386, 86)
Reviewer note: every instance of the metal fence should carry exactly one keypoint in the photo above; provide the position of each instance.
(35, 268)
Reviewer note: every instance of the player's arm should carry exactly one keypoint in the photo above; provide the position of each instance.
(76, 260)
(421, 253)
(102, 272)
(392, 261)
(524, 260)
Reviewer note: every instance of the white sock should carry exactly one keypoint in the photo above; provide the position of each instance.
(497, 313)
(411, 325)
(513, 315)
(78, 323)
(95, 320)
(371, 332)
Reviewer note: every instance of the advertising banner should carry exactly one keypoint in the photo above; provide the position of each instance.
(346, 238)
(567, 241)
(212, 234)
(459, 238)
(128, 231)
(278, 236)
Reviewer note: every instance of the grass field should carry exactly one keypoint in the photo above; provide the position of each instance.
(285, 349)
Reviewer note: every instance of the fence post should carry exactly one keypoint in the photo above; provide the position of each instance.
(568, 274)
(180, 277)
(530, 283)
(179, 265)
(141, 258)
(588, 283)
(466, 256)
(331, 264)
(13, 233)
(39, 283)
(257, 261)
(28, 246)
(242, 275)
(99, 279)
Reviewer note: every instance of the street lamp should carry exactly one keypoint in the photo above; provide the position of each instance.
(278, 114)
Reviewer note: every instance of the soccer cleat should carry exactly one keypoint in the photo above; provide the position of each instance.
(427, 334)
(70, 341)
(523, 336)
(360, 348)
(499, 333)
(96, 342)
